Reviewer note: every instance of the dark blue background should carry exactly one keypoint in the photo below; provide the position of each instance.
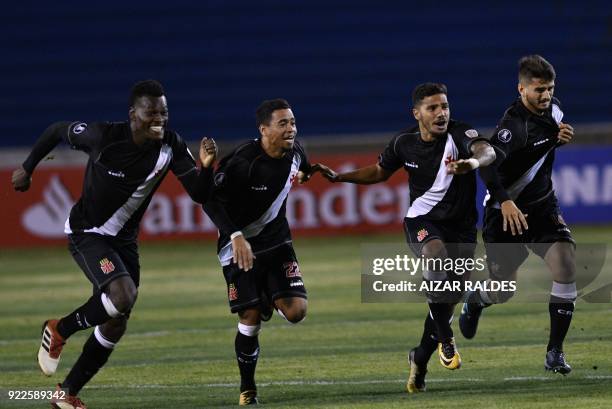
(345, 66)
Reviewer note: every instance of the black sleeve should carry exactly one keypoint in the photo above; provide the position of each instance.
(229, 180)
(304, 163)
(507, 138)
(490, 177)
(77, 134)
(49, 139)
(197, 182)
(85, 137)
(390, 159)
(468, 136)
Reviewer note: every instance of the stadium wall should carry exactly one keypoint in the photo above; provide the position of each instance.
(347, 66)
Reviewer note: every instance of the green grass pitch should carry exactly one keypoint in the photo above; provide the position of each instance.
(178, 352)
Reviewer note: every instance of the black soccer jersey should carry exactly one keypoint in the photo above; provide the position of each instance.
(249, 195)
(120, 177)
(525, 144)
(434, 194)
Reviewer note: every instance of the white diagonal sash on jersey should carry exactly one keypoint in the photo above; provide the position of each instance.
(515, 189)
(424, 203)
(253, 229)
(116, 222)
(557, 114)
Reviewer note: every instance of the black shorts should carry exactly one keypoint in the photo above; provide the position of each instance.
(505, 252)
(460, 239)
(275, 272)
(460, 242)
(105, 258)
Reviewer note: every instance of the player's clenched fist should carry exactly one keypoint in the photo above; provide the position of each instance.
(566, 133)
(208, 151)
(21, 179)
(327, 173)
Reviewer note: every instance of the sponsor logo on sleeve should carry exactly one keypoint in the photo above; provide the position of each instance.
(219, 178)
(504, 135)
(471, 133)
(79, 128)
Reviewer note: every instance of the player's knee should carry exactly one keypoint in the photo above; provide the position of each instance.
(434, 249)
(123, 295)
(564, 267)
(250, 316)
(296, 316)
(294, 311)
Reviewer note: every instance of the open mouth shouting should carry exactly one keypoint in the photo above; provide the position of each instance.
(439, 125)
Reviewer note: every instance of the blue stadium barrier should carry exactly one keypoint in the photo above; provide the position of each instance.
(582, 178)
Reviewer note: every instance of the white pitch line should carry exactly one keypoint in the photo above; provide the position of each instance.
(341, 383)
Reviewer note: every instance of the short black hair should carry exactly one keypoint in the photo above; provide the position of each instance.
(150, 88)
(535, 66)
(265, 109)
(427, 89)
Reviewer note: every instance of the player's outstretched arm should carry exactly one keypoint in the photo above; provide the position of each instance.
(50, 138)
(197, 183)
(326, 172)
(304, 176)
(483, 154)
(363, 176)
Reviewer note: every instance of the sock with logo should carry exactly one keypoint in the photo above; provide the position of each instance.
(247, 351)
(95, 353)
(92, 313)
(429, 342)
(561, 311)
(442, 314)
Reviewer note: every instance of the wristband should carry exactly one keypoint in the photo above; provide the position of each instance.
(474, 164)
(235, 234)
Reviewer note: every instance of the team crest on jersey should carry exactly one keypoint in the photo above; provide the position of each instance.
(449, 159)
(79, 128)
(292, 269)
(471, 133)
(107, 266)
(421, 234)
(232, 292)
(504, 135)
